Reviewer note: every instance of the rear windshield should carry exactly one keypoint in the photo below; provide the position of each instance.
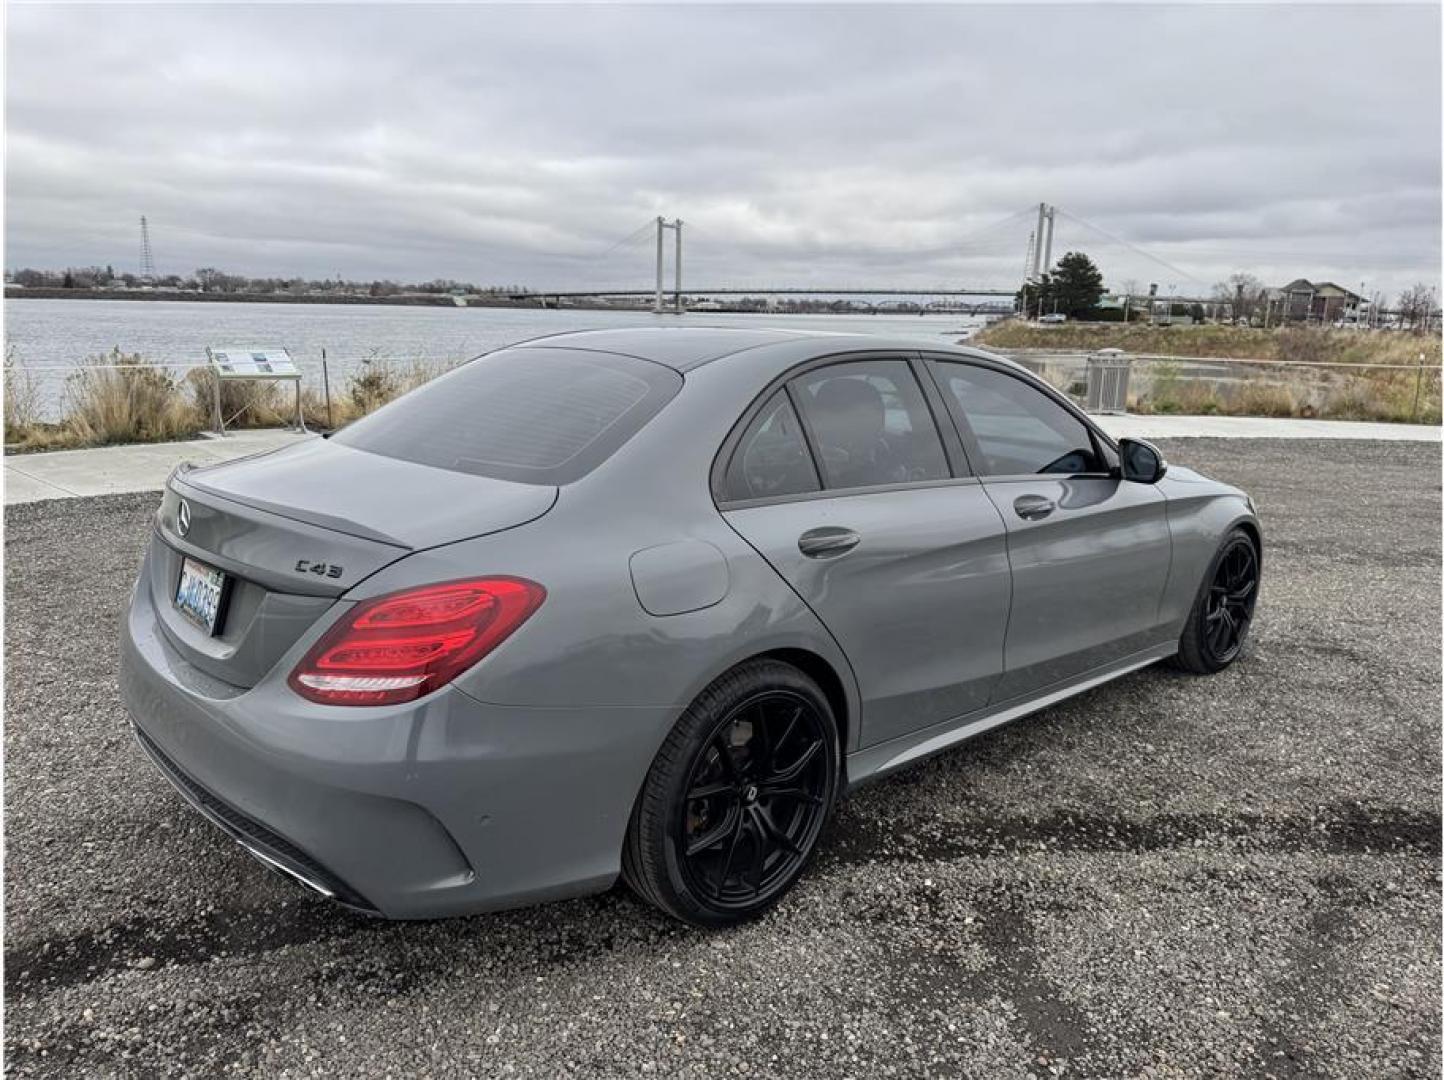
(537, 415)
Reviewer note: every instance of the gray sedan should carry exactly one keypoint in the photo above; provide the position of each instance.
(646, 603)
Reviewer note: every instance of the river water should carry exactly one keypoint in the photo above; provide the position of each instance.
(49, 337)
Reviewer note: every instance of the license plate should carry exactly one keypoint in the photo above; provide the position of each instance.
(200, 594)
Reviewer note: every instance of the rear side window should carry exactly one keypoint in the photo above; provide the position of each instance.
(772, 457)
(870, 424)
(1019, 429)
(539, 416)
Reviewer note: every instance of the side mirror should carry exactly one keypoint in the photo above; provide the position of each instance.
(1141, 461)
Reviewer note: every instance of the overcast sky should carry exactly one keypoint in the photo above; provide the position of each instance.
(802, 145)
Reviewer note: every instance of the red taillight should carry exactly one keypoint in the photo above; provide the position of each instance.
(398, 647)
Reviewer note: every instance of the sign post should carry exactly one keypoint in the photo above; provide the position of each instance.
(237, 364)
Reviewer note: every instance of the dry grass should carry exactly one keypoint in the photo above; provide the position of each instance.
(117, 398)
(375, 383)
(1392, 396)
(1333, 393)
(1312, 344)
(22, 399)
(1263, 399)
(244, 404)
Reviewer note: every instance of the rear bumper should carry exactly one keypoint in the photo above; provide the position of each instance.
(446, 806)
(269, 849)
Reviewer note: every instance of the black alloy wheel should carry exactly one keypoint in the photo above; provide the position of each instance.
(755, 800)
(1223, 611)
(736, 798)
(1231, 596)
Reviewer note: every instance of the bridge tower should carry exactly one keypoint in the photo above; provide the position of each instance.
(662, 226)
(147, 259)
(1039, 259)
(1042, 243)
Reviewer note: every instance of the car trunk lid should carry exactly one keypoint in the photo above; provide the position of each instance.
(294, 529)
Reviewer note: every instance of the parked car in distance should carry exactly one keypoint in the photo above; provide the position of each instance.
(645, 603)
(1053, 317)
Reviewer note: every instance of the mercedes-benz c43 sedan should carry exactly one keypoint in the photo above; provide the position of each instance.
(645, 603)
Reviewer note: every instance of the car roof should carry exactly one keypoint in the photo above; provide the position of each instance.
(685, 348)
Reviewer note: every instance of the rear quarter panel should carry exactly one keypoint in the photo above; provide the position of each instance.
(592, 643)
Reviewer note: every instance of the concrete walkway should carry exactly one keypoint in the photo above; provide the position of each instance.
(68, 474)
(1257, 427)
(109, 470)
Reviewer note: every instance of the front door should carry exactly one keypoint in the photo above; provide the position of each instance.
(841, 482)
(1090, 552)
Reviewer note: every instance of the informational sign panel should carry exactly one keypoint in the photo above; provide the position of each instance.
(253, 364)
(239, 364)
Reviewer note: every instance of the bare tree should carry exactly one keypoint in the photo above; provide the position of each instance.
(1243, 292)
(1416, 306)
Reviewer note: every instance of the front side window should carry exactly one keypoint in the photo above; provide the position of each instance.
(1019, 429)
(870, 424)
(772, 457)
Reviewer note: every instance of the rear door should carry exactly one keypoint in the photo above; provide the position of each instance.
(845, 481)
(1090, 552)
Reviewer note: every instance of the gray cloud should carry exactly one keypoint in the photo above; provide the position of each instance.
(801, 144)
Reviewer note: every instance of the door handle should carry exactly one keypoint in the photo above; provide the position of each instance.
(827, 542)
(1033, 507)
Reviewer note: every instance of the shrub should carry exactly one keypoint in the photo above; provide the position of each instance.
(371, 387)
(22, 400)
(244, 402)
(378, 382)
(1263, 399)
(118, 398)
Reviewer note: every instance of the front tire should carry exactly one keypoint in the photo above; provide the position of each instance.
(737, 797)
(1223, 610)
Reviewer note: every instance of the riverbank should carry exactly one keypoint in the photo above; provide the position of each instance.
(153, 295)
(1298, 344)
(1300, 372)
(66, 386)
(119, 399)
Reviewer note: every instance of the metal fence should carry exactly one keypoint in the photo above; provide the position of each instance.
(1241, 385)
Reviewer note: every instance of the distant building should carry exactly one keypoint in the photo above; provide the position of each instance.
(1304, 301)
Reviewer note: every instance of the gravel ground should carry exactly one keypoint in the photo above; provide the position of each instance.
(1167, 876)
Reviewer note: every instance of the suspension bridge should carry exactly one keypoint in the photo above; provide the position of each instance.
(988, 244)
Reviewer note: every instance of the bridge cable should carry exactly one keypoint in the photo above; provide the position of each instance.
(1131, 246)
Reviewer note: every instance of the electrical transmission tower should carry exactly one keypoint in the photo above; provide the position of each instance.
(147, 259)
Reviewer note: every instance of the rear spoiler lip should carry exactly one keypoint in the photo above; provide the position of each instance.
(180, 482)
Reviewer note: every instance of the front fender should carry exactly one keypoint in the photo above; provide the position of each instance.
(1199, 517)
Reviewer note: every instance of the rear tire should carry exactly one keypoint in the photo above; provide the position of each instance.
(1222, 612)
(736, 799)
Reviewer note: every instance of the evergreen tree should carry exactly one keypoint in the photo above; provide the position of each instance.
(1076, 284)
